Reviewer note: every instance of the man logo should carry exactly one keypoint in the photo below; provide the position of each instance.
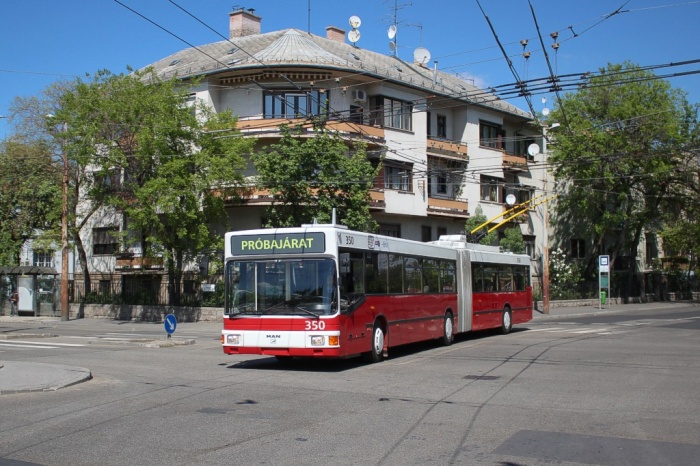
(273, 336)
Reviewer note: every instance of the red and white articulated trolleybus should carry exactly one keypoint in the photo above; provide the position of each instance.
(326, 291)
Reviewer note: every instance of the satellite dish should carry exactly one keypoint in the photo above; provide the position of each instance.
(355, 21)
(354, 36)
(545, 111)
(533, 149)
(391, 32)
(421, 55)
(510, 199)
(392, 46)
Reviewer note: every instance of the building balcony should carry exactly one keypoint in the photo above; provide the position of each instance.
(377, 202)
(269, 128)
(514, 163)
(130, 262)
(450, 150)
(448, 207)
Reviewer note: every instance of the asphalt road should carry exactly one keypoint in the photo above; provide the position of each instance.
(611, 389)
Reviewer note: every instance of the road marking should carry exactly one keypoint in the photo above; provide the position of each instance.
(52, 343)
(12, 345)
(590, 330)
(550, 329)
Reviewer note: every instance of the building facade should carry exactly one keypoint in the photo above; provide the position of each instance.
(446, 146)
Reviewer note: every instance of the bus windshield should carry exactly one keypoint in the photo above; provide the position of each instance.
(281, 287)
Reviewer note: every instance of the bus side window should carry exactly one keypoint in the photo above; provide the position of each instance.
(505, 278)
(376, 272)
(447, 276)
(395, 273)
(477, 279)
(431, 276)
(412, 275)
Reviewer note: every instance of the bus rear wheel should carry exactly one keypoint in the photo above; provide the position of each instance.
(506, 321)
(448, 330)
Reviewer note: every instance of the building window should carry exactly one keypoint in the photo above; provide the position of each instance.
(398, 177)
(391, 113)
(357, 114)
(429, 129)
(389, 229)
(490, 189)
(426, 233)
(441, 126)
(295, 104)
(522, 143)
(491, 135)
(441, 231)
(43, 258)
(652, 248)
(105, 241)
(578, 248)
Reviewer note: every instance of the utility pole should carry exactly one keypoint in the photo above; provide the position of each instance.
(65, 305)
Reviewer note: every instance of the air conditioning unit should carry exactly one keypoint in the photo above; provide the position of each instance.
(358, 95)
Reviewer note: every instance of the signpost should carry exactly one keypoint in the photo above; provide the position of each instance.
(604, 281)
(170, 324)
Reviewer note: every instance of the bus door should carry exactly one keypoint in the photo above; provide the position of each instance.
(464, 290)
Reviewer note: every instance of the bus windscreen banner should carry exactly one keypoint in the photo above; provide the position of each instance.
(278, 243)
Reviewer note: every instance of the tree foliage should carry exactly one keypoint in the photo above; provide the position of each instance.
(30, 195)
(513, 241)
(309, 177)
(136, 148)
(479, 219)
(616, 157)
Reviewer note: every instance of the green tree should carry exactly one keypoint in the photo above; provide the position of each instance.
(616, 158)
(140, 150)
(479, 219)
(30, 195)
(513, 241)
(308, 177)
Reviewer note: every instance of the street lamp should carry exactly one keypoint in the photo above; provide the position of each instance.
(65, 305)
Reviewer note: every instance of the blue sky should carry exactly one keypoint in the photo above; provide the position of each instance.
(44, 41)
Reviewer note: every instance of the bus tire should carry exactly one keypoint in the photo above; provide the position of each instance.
(376, 354)
(506, 321)
(448, 330)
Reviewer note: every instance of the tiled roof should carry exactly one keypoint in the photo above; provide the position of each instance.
(293, 47)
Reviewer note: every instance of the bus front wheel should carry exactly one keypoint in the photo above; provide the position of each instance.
(377, 351)
(506, 321)
(448, 330)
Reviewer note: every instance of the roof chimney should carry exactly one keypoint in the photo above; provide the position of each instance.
(243, 23)
(335, 33)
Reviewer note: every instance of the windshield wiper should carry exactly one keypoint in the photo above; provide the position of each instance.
(306, 311)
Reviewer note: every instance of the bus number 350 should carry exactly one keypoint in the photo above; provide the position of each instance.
(315, 325)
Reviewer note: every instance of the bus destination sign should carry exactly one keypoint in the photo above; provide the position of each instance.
(278, 243)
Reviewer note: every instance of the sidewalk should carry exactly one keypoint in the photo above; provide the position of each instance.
(21, 377)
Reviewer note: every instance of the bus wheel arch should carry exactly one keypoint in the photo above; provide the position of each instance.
(379, 342)
(506, 320)
(448, 329)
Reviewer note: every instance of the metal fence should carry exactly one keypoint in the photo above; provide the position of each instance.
(147, 290)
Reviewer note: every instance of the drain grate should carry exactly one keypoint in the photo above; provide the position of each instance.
(481, 377)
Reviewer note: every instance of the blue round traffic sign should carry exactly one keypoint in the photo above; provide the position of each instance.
(170, 323)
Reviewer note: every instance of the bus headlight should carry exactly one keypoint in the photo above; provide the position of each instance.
(318, 340)
(233, 339)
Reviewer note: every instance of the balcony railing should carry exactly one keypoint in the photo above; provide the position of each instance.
(448, 207)
(270, 127)
(447, 149)
(126, 262)
(377, 199)
(514, 162)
